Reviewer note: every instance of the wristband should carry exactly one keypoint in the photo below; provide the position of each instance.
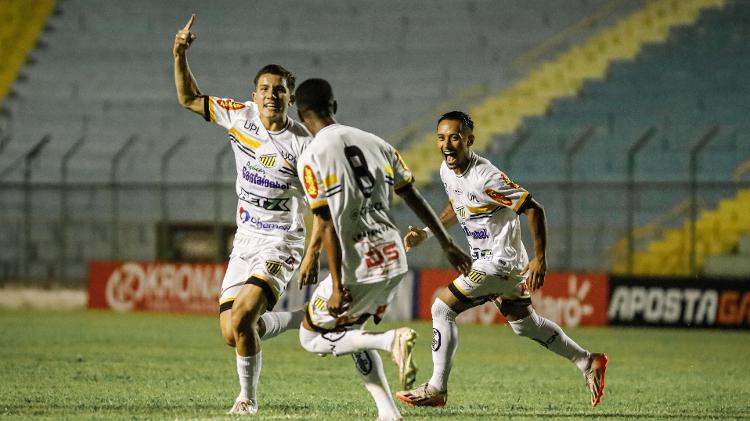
(428, 231)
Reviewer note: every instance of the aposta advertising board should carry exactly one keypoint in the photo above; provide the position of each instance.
(570, 299)
(680, 302)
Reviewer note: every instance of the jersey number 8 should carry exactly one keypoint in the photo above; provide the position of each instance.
(365, 180)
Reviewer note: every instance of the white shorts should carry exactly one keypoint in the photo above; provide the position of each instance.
(367, 300)
(264, 261)
(478, 287)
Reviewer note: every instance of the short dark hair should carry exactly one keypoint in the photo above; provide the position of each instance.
(460, 116)
(315, 95)
(278, 70)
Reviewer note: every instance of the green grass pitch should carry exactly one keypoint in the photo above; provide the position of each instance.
(100, 365)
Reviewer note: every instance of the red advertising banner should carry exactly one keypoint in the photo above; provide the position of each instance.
(154, 286)
(570, 299)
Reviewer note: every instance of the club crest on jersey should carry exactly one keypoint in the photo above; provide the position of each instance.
(461, 212)
(498, 197)
(268, 161)
(273, 267)
(230, 105)
(311, 183)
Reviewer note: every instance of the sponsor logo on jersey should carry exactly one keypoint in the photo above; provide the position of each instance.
(363, 362)
(230, 105)
(245, 218)
(476, 276)
(498, 197)
(311, 183)
(484, 254)
(288, 156)
(367, 208)
(244, 215)
(252, 127)
(273, 267)
(461, 212)
(481, 234)
(268, 161)
(267, 203)
(259, 180)
(373, 232)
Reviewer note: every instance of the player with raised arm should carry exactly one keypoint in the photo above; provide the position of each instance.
(487, 205)
(349, 177)
(269, 242)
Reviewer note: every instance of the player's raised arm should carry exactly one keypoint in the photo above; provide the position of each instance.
(188, 94)
(537, 267)
(460, 260)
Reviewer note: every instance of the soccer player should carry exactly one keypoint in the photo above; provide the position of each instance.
(349, 177)
(269, 242)
(487, 205)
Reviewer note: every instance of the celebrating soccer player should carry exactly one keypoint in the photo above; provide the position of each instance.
(487, 205)
(269, 242)
(349, 176)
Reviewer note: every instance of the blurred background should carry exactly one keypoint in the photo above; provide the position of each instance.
(626, 119)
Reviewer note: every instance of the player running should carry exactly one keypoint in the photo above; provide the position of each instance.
(487, 204)
(269, 242)
(349, 177)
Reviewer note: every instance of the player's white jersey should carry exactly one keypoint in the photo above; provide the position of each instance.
(271, 200)
(355, 173)
(486, 203)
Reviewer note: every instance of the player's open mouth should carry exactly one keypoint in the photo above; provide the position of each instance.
(272, 107)
(450, 157)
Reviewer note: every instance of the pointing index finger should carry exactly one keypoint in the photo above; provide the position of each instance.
(189, 24)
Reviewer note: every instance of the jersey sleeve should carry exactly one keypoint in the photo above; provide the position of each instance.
(499, 189)
(311, 179)
(400, 172)
(222, 111)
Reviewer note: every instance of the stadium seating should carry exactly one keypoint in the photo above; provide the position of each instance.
(665, 88)
(105, 75)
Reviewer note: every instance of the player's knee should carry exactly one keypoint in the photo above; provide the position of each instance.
(225, 325)
(244, 319)
(441, 311)
(228, 334)
(527, 326)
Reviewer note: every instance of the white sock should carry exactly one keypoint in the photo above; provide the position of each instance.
(278, 322)
(444, 343)
(346, 342)
(248, 370)
(548, 334)
(370, 367)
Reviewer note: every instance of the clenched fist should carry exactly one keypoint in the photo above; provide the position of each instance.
(184, 38)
